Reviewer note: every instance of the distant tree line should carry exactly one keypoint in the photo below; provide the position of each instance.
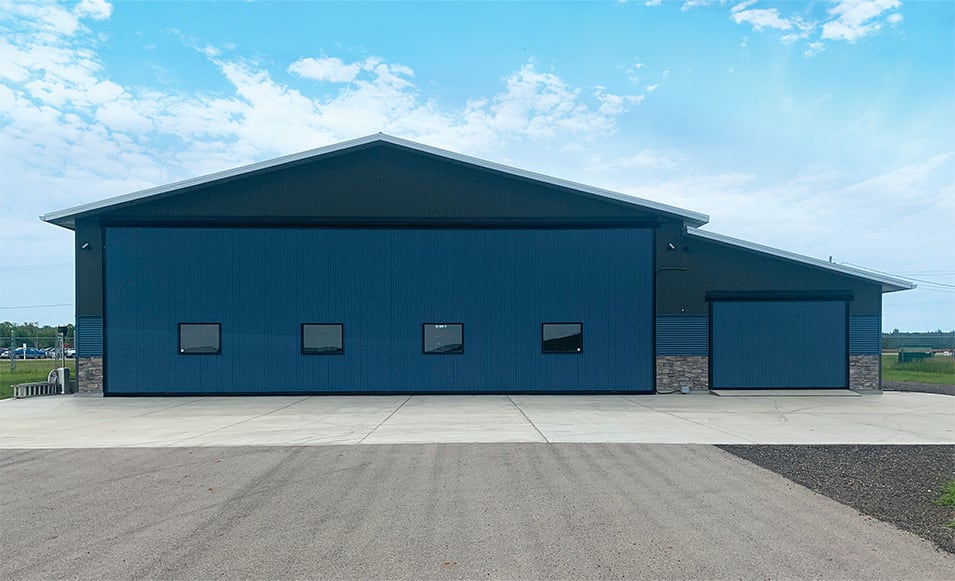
(933, 339)
(43, 337)
(33, 335)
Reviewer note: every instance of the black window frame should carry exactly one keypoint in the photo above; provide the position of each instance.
(218, 326)
(424, 349)
(578, 351)
(341, 351)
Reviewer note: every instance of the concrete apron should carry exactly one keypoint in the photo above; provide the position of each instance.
(87, 422)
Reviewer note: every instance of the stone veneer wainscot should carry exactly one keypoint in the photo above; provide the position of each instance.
(675, 371)
(89, 374)
(865, 372)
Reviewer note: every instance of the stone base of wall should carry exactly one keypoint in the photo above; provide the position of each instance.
(89, 374)
(865, 372)
(676, 371)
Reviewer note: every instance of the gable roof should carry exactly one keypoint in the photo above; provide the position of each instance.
(67, 217)
(889, 283)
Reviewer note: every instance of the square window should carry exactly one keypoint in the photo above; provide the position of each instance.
(442, 338)
(323, 338)
(200, 338)
(562, 337)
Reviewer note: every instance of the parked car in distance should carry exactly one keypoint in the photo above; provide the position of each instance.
(4, 354)
(70, 353)
(31, 353)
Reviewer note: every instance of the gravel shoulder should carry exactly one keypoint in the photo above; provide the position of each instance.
(939, 388)
(895, 484)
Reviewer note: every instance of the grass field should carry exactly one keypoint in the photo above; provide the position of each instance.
(935, 370)
(938, 369)
(28, 371)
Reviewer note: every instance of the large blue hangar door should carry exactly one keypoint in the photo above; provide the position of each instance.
(381, 286)
(779, 344)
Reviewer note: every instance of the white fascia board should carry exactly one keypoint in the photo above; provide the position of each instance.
(65, 217)
(889, 283)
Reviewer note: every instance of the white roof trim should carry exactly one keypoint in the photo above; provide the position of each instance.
(889, 283)
(690, 217)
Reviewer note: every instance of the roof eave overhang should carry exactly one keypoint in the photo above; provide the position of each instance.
(67, 217)
(888, 283)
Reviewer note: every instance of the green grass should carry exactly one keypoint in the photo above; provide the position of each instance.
(28, 371)
(948, 499)
(938, 369)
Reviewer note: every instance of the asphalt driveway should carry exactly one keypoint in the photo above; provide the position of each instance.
(444, 487)
(433, 511)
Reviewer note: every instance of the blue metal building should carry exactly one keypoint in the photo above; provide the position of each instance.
(385, 266)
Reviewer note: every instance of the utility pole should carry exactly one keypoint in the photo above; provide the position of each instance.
(13, 351)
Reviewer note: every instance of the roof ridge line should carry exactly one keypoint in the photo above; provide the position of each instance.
(688, 216)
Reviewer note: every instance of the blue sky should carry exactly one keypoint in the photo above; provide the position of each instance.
(823, 128)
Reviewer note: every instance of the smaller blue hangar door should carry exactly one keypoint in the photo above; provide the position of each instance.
(774, 344)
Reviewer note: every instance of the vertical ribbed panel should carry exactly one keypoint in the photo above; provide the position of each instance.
(89, 336)
(682, 335)
(382, 284)
(779, 344)
(865, 334)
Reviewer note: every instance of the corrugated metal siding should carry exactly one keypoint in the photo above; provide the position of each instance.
(382, 182)
(779, 344)
(682, 335)
(708, 265)
(865, 334)
(261, 284)
(89, 336)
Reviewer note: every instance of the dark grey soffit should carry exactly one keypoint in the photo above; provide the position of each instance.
(888, 283)
(66, 218)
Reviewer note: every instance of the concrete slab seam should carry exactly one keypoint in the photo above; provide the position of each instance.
(703, 425)
(897, 429)
(178, 405)
(270, 412)
(533, 425)
(382, 422)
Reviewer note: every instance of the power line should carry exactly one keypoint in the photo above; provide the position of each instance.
(931, 282)
(34, 267)
(38, 306)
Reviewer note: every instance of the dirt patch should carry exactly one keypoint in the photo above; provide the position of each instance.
(895, 484)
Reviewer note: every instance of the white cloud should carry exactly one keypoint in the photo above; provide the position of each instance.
(642, 161)
(814, 48)
(654, 2)
(855, 19)
(690, 4)
(903, 182)
(802, 29)
(615, 105)
(329, 69)
(95, 9)
(61, 113)
(844, 20)
(858, 12)
(761, 18)
(633, 73)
